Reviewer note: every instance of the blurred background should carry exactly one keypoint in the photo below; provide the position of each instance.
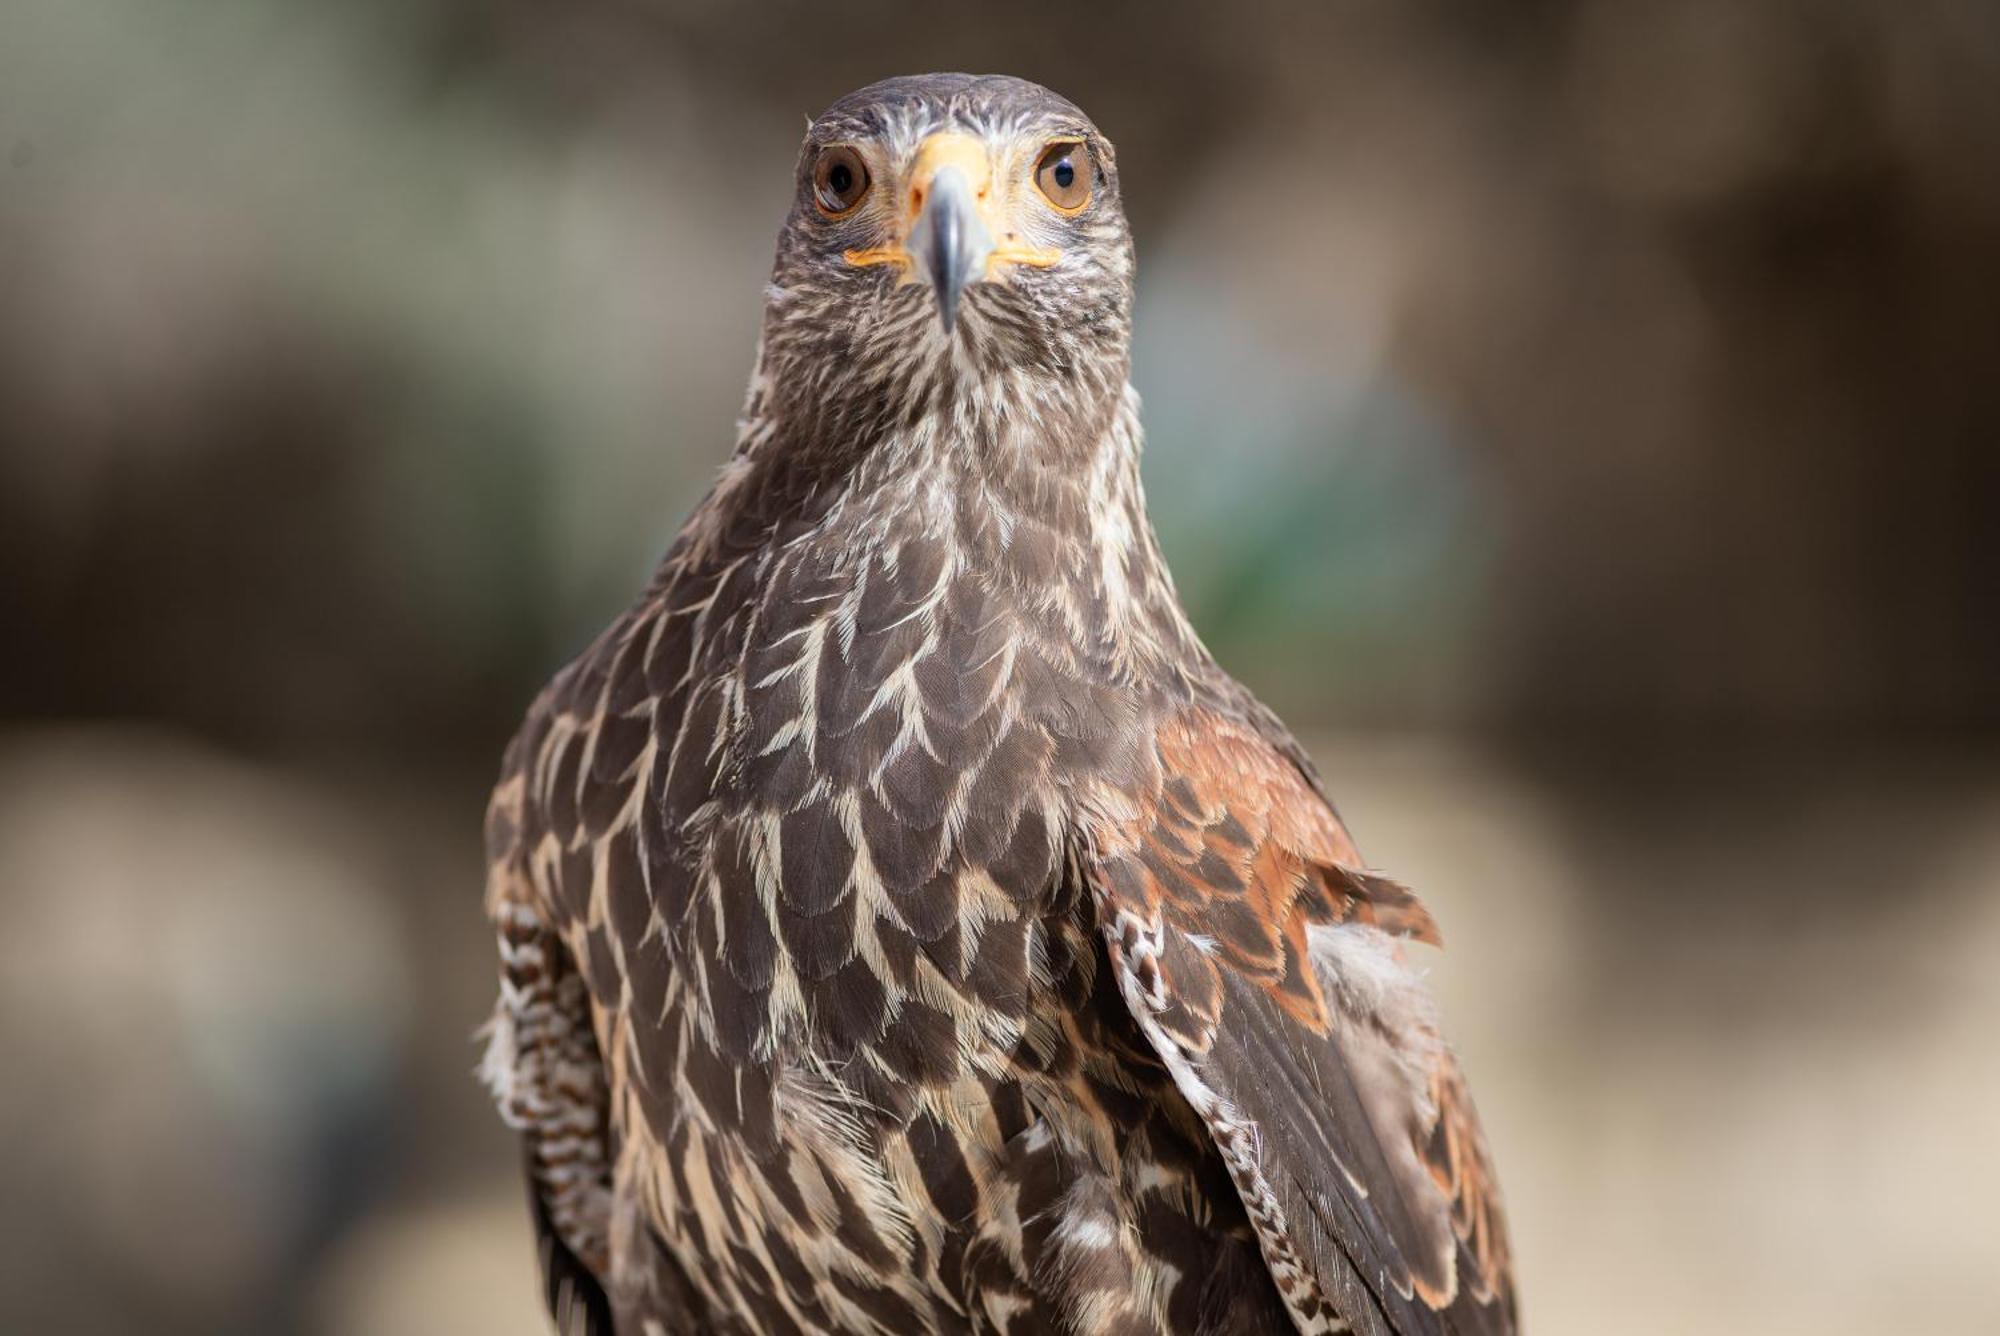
(1581, 419)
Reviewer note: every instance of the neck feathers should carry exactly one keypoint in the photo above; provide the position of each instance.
(1027, 484)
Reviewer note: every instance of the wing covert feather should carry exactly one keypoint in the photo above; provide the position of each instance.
(1265, 965)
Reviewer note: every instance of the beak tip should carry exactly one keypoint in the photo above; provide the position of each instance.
(954, 242)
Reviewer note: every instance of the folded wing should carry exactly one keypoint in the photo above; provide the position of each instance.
(1266, 968)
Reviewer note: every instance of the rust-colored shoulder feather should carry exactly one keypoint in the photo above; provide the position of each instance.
(1264, 963)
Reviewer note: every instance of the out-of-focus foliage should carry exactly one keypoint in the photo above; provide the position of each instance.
(1602, 393)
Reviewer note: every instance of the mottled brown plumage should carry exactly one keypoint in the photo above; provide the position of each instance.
(905, 925)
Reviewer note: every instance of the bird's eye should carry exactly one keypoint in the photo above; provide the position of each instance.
(840, 179)
(1063, 175)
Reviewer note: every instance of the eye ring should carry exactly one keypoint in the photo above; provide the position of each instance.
(1064, 175)
(840, 180)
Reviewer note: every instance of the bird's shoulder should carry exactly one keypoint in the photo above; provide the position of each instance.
(1265, 963)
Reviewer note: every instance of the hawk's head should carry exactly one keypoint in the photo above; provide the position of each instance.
(947, 224)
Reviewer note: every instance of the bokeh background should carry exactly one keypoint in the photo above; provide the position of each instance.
(1581, 419)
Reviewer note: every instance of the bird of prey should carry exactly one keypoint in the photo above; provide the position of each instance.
(905, 925)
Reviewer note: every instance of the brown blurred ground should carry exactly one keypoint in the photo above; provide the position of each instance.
(1582, 418)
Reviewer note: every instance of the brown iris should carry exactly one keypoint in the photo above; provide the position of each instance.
(1063, 174)
(840, 179)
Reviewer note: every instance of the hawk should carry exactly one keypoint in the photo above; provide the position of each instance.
(904, 924)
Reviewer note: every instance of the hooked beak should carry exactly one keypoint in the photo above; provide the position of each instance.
(951, 242)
